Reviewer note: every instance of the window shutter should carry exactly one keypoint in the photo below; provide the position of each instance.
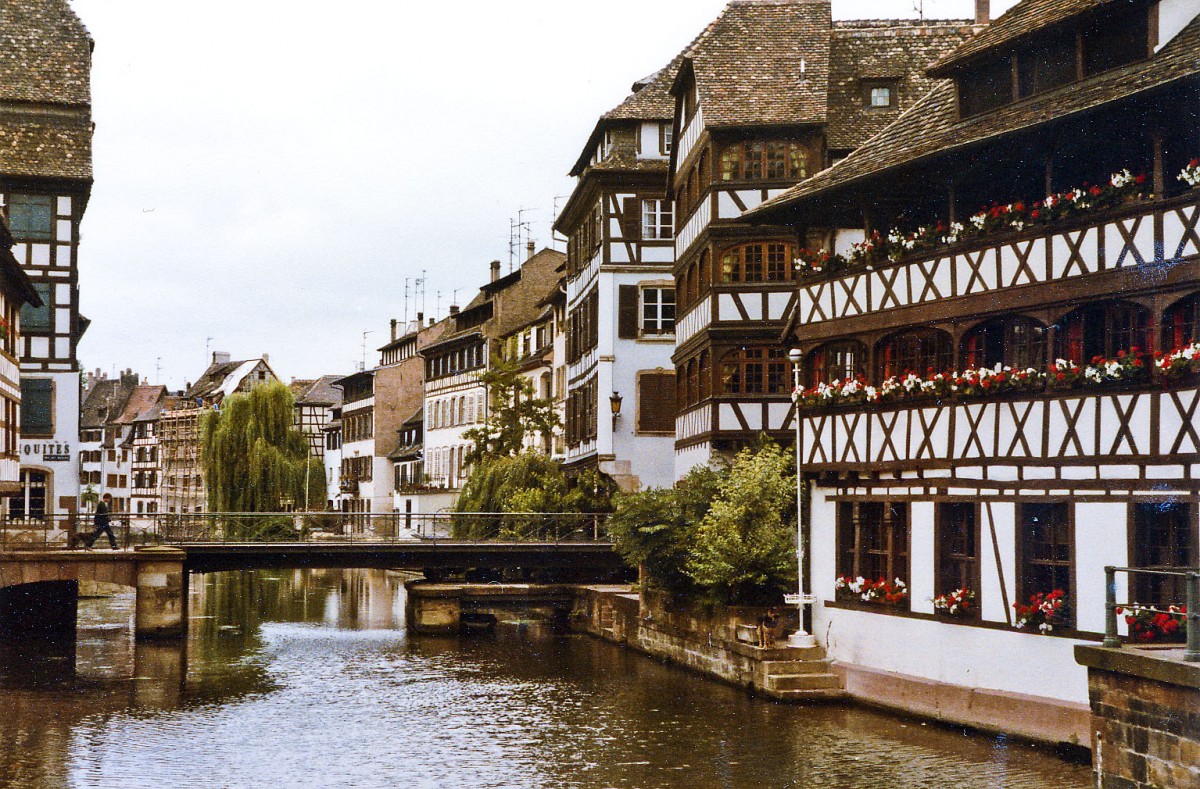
(37, 418)
(656, 403)
(627, 312)
(631, 218)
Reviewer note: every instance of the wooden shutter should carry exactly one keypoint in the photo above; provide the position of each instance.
(631, 219)
(37, 400)
(627, 311)
(656, 403)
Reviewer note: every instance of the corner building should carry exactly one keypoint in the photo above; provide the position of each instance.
(45, 183)
(770, 93)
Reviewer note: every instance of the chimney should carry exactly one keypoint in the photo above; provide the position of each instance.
(495, 270)
(266, 358)
(529, 249)
(393, 329)
(220, 357)
(453, 309)
(983, 12)
(420, 318)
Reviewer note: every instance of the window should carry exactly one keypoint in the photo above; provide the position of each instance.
(1046, 548)
(957, 541)
(835, 361)
(30, 502)
(31, 217)
(665, 134)
(986, 87)
(915, 351)
(658, 310)
(1115, 40)
(762, 262)
(656, 402)
(37, 406)
(755, 371)
(656, 219)
(1015, 342)
(1164, 535)
(37, 318)
(1181, 323)
(879, 94)
(764, 161)
(872, 540)
(1101, 330)
(1046, 64)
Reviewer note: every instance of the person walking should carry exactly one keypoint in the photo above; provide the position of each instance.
(101, 523)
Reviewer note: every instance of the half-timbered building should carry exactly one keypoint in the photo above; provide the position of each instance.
(998, 389)
(45, 182)
(620, 293)
(455, 398)
(768, 95)
(16, 290)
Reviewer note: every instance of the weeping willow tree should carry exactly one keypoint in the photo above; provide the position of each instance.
(255, 459)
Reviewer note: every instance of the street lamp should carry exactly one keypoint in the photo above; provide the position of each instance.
(800, 638)
(614, 402)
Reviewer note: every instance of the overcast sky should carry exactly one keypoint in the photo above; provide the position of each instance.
(269, 173)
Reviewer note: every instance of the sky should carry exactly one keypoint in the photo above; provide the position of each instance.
(270, 175)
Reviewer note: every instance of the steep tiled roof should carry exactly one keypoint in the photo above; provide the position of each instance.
(882, 49)
(1020, 20)
(319, 392)
(141, 400)
(45, 53)
(932, 126)
(221, 378)
(50, 150)
(764, 62)
(105, 400)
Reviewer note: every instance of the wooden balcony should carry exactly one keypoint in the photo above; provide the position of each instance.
(1149, 432)
(1151, 235)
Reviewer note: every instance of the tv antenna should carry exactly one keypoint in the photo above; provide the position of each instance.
(364, 350)
(518, 231)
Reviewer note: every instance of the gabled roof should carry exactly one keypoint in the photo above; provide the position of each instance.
(322, 391)
(932, 127)
(141, 401)
(762, 63)
(223, 379)
(1020, 20)
(45, 53)
(105, 401)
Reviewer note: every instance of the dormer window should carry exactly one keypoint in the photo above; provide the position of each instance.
(879, 94)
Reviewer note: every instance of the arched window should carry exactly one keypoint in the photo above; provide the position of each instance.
(1011, 341)
(761, 262)
(915, 351)
(755, 371)
(835, 361)
(1181, 323)
(1100, 330)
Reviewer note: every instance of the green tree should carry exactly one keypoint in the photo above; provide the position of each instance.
(254, 458)
(514, 414)
(655, 528)
(744, 547)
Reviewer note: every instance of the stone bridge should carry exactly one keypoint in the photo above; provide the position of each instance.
(39, 589)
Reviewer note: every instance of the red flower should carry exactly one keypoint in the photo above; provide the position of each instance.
(1140, 179)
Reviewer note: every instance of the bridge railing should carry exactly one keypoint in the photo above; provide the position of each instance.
(1163, 619)
(347, 527)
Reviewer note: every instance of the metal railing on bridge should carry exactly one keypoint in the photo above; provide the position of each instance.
(1154, 619)
(342, 527)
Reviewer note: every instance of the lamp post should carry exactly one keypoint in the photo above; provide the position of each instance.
(614, 403)
(800, 638)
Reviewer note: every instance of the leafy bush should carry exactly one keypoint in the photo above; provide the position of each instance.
(744, 548)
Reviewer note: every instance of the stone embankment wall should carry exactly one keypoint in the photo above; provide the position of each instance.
(1145, 718)
(718, 642)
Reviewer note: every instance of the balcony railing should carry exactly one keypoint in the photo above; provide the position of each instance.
(1137, 234)
(1190, 614)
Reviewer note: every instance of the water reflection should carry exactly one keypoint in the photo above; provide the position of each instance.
(307, 678)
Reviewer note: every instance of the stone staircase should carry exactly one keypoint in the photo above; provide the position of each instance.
(797, 674)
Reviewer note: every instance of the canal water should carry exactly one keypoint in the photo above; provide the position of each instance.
(308, 679)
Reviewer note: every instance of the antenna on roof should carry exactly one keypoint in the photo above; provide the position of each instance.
(516, 228)
(364, 350)
(919, 7)
(554, 239)
(157, 369)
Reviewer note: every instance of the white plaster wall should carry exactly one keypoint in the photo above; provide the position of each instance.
(845, 238)
(1001, 515)
(1173, 17)
(1100, 540)
(650, 144)
(688, 458)
(65, 474)
(823, 543)
(1005, 660)
(921, 557)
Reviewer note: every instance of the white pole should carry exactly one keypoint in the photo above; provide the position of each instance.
(800, 638)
